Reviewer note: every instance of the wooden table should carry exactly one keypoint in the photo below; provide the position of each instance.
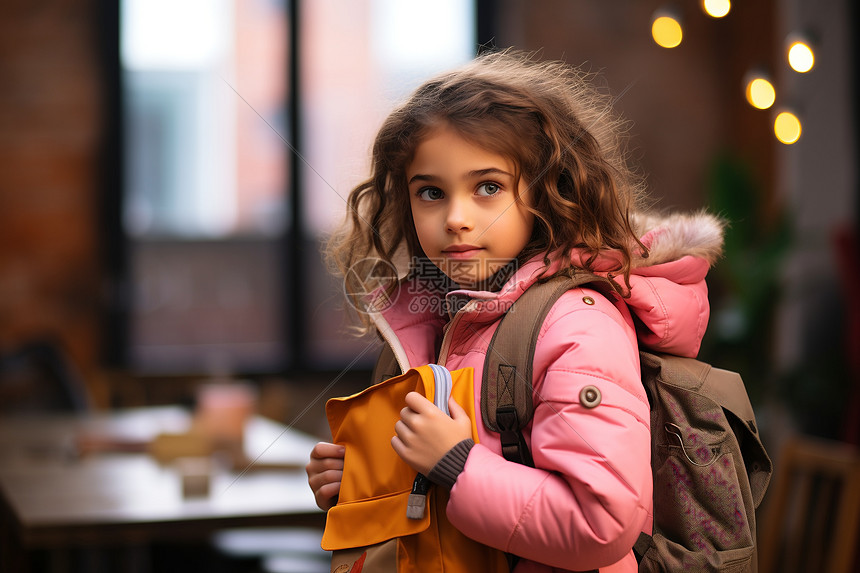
(53, 496)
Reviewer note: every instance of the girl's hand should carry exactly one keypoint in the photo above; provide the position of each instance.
(325, 471)
(424, 433)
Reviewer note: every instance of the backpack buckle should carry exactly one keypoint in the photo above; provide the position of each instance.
(508, 423)
(514, 448)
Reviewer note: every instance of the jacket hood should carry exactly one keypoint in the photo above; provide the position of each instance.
(668, 295)
(675, 236)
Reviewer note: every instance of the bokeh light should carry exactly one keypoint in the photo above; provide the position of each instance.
(760, 92)
(800, 56)
(666, 30)
(716, 8)
(787, 127)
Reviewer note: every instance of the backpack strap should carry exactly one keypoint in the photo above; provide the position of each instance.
(386, 365)
(506, 387)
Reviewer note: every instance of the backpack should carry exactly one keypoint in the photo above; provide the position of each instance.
(709, 466)
(388, 519)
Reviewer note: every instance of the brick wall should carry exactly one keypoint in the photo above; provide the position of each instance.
(49, 144)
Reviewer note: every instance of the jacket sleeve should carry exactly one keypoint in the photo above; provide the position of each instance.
(589, 496)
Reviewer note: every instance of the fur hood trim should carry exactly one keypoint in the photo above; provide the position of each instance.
(671, 237)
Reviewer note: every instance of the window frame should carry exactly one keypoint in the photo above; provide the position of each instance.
(115, 241)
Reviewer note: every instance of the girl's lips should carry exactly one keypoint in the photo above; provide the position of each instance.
(462, 252)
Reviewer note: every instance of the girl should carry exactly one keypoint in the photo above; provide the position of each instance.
(497, 175)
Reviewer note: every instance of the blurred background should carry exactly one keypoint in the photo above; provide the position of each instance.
(169, 171)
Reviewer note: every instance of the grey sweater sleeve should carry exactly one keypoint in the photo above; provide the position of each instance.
(446, 470)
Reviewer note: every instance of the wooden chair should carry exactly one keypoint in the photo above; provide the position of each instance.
(39, 377)
(847, 251)
(811, 518)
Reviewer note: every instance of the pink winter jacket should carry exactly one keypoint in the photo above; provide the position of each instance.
(589, 495)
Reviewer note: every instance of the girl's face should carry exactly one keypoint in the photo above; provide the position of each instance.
(467, 218)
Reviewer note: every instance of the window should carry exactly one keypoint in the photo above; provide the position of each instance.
(357, 60)
(205, 183)
(222, 223)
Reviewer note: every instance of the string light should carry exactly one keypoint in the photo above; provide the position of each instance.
(716, 8)
(667, 32)
(787, 127)
(801, 58)
(666, 29)
(759, 90)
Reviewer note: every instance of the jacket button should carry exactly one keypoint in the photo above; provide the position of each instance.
(588, 300)
(590, 397)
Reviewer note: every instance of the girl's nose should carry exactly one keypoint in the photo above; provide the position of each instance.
(458, 218)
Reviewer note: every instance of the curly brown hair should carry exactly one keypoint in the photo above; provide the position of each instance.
(549, 120)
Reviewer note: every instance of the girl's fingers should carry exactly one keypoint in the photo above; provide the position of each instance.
(459, 414)
(399, 447)
(406, 413)
(327, 450)
(328, 491)
(325, 472)
(326, 496)
(419, 403)
(317, 464)
(322, 465)
(407, 453)
(456, 409)
(320, 480)
(403, 432)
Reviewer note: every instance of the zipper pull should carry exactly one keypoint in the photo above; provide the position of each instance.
(418, 497)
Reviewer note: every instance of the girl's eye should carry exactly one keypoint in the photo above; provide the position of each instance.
(488, 189)
(430, 194)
